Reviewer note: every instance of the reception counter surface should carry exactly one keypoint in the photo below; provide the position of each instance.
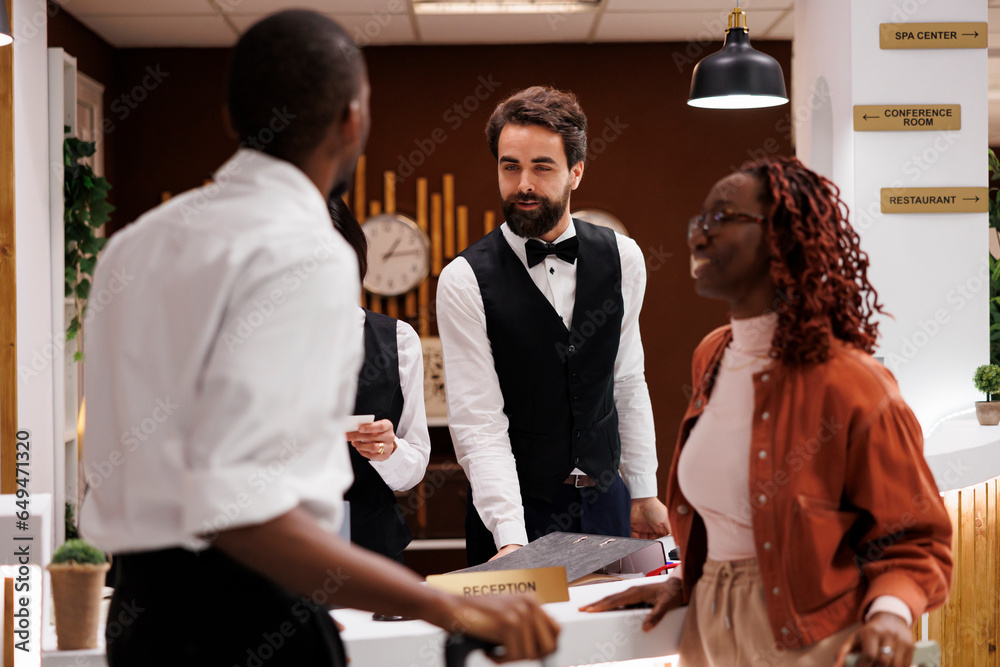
(585, 638)
(961, 452)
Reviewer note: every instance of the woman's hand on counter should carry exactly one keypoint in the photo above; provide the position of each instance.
(885, 640)
(662, 597)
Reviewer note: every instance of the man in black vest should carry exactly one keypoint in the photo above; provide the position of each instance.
(542, 356)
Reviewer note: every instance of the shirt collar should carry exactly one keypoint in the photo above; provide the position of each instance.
(517, 243)
(280, 179)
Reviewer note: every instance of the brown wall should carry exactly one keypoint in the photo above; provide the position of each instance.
(96, 59)
(657, 160)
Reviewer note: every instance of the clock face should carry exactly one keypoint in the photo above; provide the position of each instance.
(596, 216)
(398, 254)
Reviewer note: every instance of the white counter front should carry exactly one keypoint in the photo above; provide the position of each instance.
(585, 638)
(961, 452)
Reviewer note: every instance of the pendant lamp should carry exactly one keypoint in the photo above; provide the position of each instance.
(6, 34)
(737, 76)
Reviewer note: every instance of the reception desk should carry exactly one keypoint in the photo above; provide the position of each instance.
(585, 638)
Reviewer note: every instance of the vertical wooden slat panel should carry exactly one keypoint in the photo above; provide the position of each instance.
(448, 185)
(424, 292)
(8, 622)
(8, 276)
(462, 215)
(489, 221)
(436, 247)
(359, 190)
(390, 192)
(375, 207)
(410, 310)
(949, 619)
(967, 592)
(993, 576)
(980, 596)
(392, 307)
(374, 303)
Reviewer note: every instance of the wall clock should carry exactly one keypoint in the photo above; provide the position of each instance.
(399, 254)
(596, 216)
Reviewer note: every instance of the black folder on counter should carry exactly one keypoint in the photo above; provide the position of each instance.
(582, 555)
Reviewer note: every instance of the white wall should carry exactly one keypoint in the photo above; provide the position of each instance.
(927, 268)
(35, 350)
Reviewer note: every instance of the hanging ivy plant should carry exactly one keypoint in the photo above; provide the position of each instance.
(86, 209)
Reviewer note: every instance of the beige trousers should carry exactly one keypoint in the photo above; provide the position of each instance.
(727, 626)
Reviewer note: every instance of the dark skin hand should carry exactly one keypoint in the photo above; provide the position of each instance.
(293, 551)
(663, 597)
(882, 629)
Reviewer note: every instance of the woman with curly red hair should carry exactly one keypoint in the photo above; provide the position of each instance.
(808, 522)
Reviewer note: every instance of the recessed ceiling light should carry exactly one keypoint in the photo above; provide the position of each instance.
(504, 6)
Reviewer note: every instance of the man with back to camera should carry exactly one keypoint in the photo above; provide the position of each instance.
(543, 362)
(240, 316)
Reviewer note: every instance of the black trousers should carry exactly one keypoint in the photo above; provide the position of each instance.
(175, 607)
(573, 510)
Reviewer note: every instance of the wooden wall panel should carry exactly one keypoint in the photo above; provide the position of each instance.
(968, 626)
(8, 277)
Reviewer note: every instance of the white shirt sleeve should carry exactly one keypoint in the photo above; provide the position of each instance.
(635, 411)
(407, 465)
(892, 605)
(257, 449)
(475, 405)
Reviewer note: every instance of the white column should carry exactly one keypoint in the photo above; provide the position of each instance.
(39, 357)
(930, 270)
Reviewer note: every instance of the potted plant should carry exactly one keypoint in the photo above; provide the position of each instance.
(77, 570)
(987, 380)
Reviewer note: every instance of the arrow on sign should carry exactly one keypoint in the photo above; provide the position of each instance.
(866, 116)
(970, 34)
(970, 199)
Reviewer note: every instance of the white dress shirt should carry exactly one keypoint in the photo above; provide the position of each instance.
(476, 419)
(222, 358)
(406, 466)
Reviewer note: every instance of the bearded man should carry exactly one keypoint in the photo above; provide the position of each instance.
(543, 362)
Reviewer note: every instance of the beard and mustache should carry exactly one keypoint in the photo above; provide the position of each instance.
(537, 222)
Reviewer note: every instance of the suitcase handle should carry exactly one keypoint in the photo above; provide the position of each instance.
(458, 647)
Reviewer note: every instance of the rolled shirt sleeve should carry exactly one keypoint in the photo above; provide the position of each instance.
(263, 437)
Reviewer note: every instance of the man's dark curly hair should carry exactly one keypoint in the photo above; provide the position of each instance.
(546, 107)
(817, 264)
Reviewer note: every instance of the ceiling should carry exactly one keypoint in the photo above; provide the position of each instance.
(206, 23)
(218, 23)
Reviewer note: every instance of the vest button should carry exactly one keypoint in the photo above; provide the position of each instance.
(762, 499)
(767, 546)
(576, 400)
(575, 377)
(698, 403)
(762, 454)
(682, 509)
(576, 460)
(578, 434)
(765, 416)
(776, 591)
(571, 349)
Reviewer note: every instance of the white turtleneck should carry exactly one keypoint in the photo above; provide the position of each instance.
(714, 468)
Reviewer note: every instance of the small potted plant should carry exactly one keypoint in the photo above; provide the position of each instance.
(987, 380)
(77, 570)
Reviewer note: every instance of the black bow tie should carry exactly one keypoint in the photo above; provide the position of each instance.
(566, 250)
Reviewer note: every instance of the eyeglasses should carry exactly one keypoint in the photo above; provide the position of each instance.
(709, 223)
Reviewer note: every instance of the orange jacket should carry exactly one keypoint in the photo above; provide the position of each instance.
(844, 507)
